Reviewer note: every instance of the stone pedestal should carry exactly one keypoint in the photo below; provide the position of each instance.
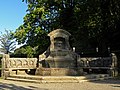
(61, 59)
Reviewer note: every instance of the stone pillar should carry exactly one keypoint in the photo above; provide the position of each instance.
(114, 69)
(4, 65)
(52, 47)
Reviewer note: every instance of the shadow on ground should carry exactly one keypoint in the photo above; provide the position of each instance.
(112, 82)
(108, 81)
(5, 86)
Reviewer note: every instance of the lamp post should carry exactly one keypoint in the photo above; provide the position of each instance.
(97, 49)
(109, 50)
(73, 49)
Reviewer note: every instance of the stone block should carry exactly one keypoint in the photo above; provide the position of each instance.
(56, 72)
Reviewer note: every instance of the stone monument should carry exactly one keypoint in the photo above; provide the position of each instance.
(59, 59)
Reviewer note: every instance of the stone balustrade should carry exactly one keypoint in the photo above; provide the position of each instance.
(100, 63)
(17, 65)
(22, 63)
(96, 62)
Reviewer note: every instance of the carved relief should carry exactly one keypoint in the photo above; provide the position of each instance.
(19, 63)
(25, 63)
(13, 63)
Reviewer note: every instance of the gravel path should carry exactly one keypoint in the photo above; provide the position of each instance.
(94, 85)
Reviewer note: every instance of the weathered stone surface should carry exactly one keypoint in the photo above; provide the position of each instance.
(55, 72)
(60, 53)
(13, 66)
(22, 63)
(59, 59)
(59, 40)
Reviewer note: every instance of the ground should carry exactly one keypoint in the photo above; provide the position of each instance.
(93, 85)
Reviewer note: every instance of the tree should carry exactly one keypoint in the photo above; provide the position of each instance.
(93, 23)
(44, 16)
(24, 51)
(7, 43)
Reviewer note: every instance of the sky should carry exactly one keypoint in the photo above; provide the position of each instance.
(11, 14)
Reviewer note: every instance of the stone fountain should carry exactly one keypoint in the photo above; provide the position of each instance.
(58, 59)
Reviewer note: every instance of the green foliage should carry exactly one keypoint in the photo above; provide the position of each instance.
(92, 23)
(24, 51)
(7, 42)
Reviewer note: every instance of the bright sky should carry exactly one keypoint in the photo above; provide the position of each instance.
(11, 14)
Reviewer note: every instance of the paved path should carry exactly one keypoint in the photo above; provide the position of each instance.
(94, 85)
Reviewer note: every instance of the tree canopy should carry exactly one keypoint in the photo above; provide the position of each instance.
(7, 42)
(92, 23)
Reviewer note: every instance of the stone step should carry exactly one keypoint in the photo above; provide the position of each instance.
(47, 77)
(57, 79)
(43, 81)
(23, 80)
